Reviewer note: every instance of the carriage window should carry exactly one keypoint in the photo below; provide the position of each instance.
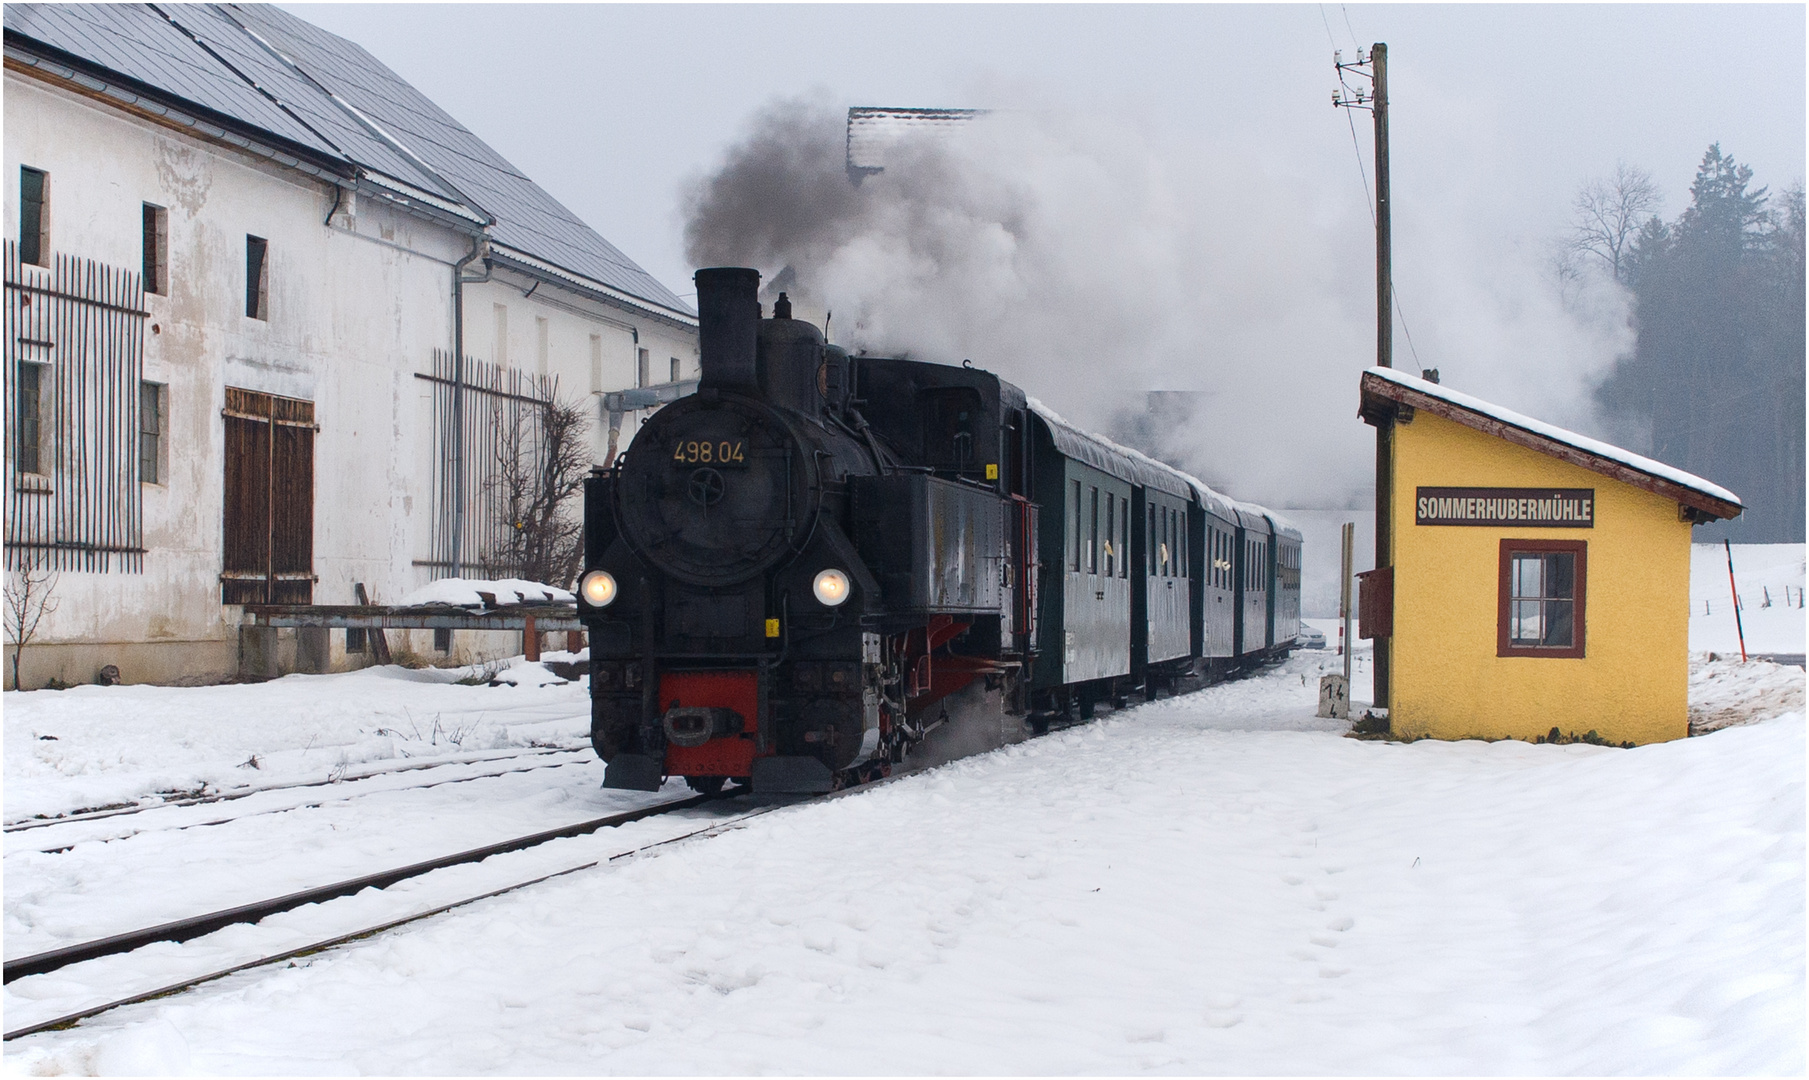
(1111, 531)
(1149, 542)
(1077, 533)
(1093, 534)
(1181, 545)
(1124, 538)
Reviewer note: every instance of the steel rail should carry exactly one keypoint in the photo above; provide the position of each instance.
(26, 824)
(314, 801)
(71, 1019)
(199, 925)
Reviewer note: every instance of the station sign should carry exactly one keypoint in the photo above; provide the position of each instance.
(1545, 508)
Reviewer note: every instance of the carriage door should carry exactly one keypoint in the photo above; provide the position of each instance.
(269, 500)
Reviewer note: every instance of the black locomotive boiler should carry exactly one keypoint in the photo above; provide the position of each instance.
(819, 565)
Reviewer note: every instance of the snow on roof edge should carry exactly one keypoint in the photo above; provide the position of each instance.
(1557, 434)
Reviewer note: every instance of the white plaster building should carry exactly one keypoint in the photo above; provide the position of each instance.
(236, 252)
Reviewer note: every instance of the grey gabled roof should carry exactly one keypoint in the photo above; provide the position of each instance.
(265, 69)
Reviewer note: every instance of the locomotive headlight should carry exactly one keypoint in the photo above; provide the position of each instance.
(830, 587)
(599, 588)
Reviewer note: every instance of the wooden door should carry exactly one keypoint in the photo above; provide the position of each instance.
(268, 515)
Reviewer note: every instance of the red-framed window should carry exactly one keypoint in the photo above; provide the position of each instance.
(1543, 586)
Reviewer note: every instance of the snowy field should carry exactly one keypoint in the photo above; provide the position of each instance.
(1217, 883)
(1770, 577)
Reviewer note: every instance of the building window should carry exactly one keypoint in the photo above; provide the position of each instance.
(156, 249)
(596, 363)
(442, 640)
(676, 371)
(151, 398)
(257, 285)
(1541, 598)
(540, 343)
(499, 355)
(34, 191)
(643, 369)
(27, 424)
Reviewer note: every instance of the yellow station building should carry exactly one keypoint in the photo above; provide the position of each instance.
(1531, 578)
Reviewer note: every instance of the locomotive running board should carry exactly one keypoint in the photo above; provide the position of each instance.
(633, 772)
(791, 775)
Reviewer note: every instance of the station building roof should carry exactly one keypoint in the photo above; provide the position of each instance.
(255, 69)
(1386, 389)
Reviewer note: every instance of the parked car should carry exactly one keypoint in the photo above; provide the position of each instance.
(1309, 638)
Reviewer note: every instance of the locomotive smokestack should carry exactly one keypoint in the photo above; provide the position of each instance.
(728, 324)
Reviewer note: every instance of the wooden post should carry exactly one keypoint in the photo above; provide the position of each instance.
(374, 636)
(1344, 613)
(530, 642)
(574, 641)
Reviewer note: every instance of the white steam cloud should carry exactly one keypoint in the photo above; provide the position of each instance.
(1090, 262)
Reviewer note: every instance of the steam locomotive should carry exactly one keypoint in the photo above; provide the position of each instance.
(821, 565)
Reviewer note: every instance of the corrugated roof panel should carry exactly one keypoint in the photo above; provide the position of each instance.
(329, 90)
(528, 217)
(137, 42)
(298, 95)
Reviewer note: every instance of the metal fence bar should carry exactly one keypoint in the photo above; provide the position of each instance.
(500, 411)
(80, 323)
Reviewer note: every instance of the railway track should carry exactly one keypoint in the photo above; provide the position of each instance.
(187, 929)
(27, 824)
(198, 926)
(54, 844)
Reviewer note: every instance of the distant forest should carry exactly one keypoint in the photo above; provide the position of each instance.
(1715, 381)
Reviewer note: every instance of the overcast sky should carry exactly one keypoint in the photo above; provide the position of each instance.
(615, 109)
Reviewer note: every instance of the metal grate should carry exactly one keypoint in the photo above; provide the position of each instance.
(75, 336)
(481, 412)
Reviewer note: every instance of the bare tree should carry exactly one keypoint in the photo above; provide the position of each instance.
(542, 460)
(29, 597)
(1608, 213)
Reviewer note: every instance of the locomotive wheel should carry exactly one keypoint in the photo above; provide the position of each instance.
(708, 785)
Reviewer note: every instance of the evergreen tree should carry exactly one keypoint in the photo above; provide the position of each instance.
(1716, 378)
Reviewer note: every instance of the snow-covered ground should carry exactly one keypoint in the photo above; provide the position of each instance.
(1214, 883)
(94, 746)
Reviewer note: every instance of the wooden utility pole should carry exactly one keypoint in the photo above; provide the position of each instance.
(1378, 67)
(1375, 66)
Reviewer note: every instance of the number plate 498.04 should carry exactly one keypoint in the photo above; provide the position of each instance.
(723, 453)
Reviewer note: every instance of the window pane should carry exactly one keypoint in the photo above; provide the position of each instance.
(31, 216)
(1526, 576)
(1093, 533)
(1524, 627)
(1560, 575)
(1557, 624)
(1111, 531)
(254, 276)
(1124, 538)
(1077, 532)
(27, 423)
